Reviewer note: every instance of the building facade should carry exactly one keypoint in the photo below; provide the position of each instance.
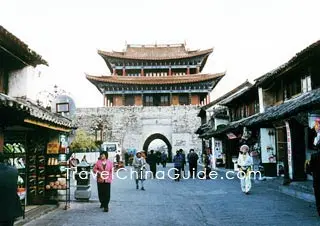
(27, 129)
(282, 130)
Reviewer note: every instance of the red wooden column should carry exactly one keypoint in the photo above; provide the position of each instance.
(188, 70)
(198, 70)
(170, 73)
(114, 71)
(124, 71)
(142, 71)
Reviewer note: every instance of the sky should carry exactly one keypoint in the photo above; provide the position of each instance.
(249, 37)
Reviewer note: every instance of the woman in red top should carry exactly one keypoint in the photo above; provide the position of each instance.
(103, 169)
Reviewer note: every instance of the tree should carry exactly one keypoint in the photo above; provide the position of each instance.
(82, 142)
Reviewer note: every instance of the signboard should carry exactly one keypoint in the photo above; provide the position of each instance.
(314, 125)
(63, 143)
(62, 107)
(268, 143)
(218, 149)
(53, 147)
(289, 149)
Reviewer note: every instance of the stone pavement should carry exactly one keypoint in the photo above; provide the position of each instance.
(188, 202)
(298, 189)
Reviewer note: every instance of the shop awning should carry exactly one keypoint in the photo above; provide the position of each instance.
(35, 114)
(40, 113)
(222, 130)
(47, 125)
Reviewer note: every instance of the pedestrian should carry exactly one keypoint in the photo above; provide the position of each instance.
(117, 162)
(152, 160)
(207, 165)
(10, 206)
(139, 166)
(98, 187)
(245, 163)
(164, 159)
(158, 157)
(183, 160)
(178, 162)
(103, 168)
(126, 158)
(314, 168)
(193, 162)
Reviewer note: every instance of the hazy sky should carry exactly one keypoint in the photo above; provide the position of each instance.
(250, 37)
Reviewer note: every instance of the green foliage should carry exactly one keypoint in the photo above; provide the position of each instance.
(82, 142)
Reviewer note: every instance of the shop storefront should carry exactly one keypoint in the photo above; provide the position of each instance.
(34, 141)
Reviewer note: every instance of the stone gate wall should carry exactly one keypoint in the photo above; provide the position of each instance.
(132, 125)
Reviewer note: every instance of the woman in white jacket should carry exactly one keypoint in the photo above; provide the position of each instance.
(245, 163)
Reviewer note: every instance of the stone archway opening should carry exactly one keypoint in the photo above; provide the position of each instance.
(156, 137)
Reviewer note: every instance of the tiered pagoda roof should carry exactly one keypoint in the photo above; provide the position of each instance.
(155, 52)
(164, 52)
(195, 78)
(155, 69)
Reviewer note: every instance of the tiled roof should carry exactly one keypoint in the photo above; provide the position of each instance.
(10, 102)
(228, 94)
(155, 52)
(240, 94)
(203, 128)
(11, 43)
(302, 103)
(304, 54)
(155, 80)
(222, 130)
(33, 110)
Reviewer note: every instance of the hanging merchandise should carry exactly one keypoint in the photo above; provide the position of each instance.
(36, 169)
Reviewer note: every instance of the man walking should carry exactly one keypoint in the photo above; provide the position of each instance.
(152, 161)
(193, 162)
(178, 163)
(183, 156)
(164, 158)
(315, 171)
(10, 206)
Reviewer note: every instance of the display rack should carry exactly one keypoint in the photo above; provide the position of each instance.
(15, 155)
(36, 173)
(57, 180)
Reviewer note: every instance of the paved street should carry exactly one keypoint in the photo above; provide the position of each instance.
(189, 202)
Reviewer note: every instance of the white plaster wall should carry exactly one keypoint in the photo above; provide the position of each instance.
(182, 141)
(261, 104)
(24, 83)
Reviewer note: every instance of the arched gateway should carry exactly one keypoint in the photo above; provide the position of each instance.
(161, 137)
